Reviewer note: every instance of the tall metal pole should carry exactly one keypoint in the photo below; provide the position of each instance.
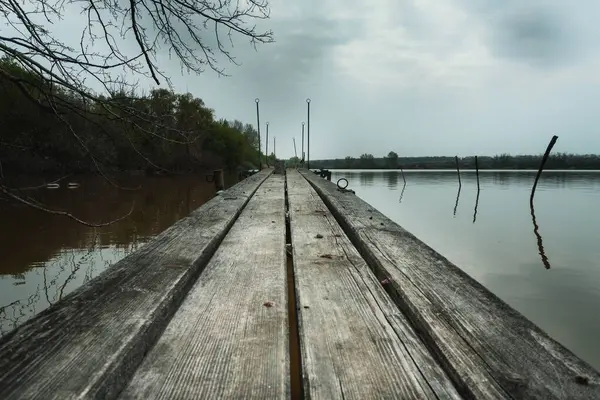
(302, 154)
(308, 135)
(274, 151)
(295, 152)
(267, 147)
(258, 128)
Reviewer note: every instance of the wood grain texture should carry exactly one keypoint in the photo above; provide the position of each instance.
(229, 339)
(355, 343)
(489, 349)
(89, 344)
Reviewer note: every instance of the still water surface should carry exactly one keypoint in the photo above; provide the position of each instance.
(496, 244)
(44, 257)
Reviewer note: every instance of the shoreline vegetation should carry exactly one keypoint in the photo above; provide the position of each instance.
(556, 161)
(160, 132)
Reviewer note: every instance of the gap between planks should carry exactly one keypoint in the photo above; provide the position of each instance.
(355, 343)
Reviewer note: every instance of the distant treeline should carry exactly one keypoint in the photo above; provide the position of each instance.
(503, 161)
(45, 128)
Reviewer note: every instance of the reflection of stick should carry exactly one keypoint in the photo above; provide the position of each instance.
(476, 204)
(457, 170)
(539, 173)
(402, 192)
(6, 191)
(457, 196)
(540, 245)
(403, 178)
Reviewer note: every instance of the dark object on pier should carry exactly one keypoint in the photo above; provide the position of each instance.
(323, 173)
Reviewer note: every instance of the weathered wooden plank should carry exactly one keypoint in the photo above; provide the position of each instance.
(229, 339)
(489, 349)
(355, 343)
(89, 344)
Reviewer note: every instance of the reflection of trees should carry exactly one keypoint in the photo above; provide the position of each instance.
(58, 277)
(391, 178)
(29, 236)
(59, 255)
(366, 178)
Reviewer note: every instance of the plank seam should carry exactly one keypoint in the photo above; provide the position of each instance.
(296, 383)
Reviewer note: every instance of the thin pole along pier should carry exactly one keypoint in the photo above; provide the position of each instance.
(257, 100)
(267, 147)
(302, 154)
(308, 135)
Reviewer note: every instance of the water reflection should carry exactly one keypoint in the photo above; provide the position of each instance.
(456, 202)
(368, 179)
(45, 257)
(391, 179)
(476, 205)
(540, 245)
(402, 192)
(494, 243)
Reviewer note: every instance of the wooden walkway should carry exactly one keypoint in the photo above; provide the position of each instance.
(285, 287)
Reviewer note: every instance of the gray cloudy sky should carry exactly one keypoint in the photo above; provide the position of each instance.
(420, 77)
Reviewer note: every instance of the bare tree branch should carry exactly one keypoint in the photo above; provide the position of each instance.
(7, 192)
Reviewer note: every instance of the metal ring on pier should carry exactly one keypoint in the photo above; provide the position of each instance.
(338, 183)
(257, 100)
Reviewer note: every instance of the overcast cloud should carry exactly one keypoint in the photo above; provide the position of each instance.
(420, 77)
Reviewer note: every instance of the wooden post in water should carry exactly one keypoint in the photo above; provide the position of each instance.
(539, 173)
(219, 179)
(457, 170)
(477, 172)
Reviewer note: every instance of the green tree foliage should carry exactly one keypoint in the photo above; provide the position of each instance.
(392, 159)
(161, 131)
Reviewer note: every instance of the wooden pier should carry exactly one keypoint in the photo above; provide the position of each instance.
(285, 287)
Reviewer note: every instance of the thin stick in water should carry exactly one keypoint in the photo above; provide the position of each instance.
(457, 170)
(477, 173)
(539, 173)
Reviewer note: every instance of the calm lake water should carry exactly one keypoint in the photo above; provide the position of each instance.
(559, 289)
(44, 257)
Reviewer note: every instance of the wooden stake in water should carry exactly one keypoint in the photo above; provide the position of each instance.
(477, 198)
(539, 173)
(457, 170)
(477, 172)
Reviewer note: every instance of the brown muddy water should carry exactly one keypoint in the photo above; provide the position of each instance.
(44, 257)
